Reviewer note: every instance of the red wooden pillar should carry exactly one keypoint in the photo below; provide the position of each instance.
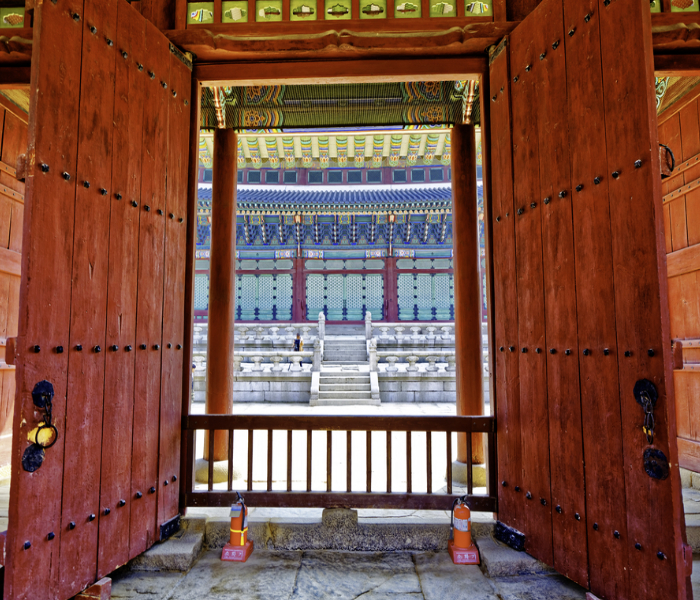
(222, 285)
(467, 285)
(298, 310)
(391, 291)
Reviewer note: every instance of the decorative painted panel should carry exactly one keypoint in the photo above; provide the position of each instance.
(345, 297)
(425, 297)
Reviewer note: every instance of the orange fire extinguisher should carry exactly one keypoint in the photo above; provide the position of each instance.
(239, 547)
(461, 526)
(461, 548)
(239, 523)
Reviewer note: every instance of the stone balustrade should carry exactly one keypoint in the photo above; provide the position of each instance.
(263, 335)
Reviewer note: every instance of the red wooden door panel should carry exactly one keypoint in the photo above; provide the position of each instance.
(605, 508)
(86, 366)
(590, 279)
(107, 145)
(510, 495)
(49, 220)
(530, 282)
(129, 99)
(149, 320)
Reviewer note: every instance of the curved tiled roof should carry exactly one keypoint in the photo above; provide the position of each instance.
(305, 199)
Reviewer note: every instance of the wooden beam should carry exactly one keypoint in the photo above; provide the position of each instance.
(676, 65)
(350, 71)
(683, 261)
(12, 77)
(10, 262)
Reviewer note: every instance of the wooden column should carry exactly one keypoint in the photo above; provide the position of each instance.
(467, 285)
(222, 285)
(298, 302)
(391, 291)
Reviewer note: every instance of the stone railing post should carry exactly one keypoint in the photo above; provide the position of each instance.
(416, 334)
(244, 333)
(273, 333)
(412, 360)
(321, 326)
(237, 361)
(432, 360)
(258, 363)
(318, 356)
(368, 325)
(276, 360)
(296, 360)
(392, 360)
(372, 351)
(399, 334)
(259, 334)
(451, 362)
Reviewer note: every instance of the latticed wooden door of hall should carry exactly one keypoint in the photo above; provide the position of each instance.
(345, 297)
(101, 300)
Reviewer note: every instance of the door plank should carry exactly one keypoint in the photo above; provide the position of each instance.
(605, 508)
(45, 296)
(511, 501)
(174, 295)
(85, 395)
(526, 46)
(150, 296)
(654, 508)
(121, 301)
(565, 434)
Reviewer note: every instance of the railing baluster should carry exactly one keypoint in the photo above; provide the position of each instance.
(409, 472)
(289, 460)
(449, 462)
(329, 459)
(269, 460)
(230, 460)
(369, 461)
(308, 460)
(470, 483)
(388, 462)
(210, 482)
(349, 462)
(429, 459)
(250, 460)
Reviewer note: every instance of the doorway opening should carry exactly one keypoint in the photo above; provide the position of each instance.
(343, 236)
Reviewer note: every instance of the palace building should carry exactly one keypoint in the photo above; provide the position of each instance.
(318, 233)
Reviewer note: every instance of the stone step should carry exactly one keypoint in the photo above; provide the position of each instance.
(346, 402)
(345, 387)
(341, 358)
(340, 363)
(353, 394)
(338, 379)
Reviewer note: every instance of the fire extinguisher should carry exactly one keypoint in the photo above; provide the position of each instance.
(461, 523)
(239, 522)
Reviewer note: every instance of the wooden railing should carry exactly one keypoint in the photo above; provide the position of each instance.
(368, 498)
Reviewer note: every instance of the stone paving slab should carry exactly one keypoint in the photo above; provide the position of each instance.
(551, 587)
(265, 576)
(349, 575)
(128, 585)
(442, 580)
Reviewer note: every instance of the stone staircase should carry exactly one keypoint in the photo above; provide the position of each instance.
(345, 378)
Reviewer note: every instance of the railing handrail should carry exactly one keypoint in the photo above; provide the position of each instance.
(460, 424)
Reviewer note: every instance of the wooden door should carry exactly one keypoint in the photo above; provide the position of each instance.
(101, 298)
(679, 129)
(580, 299)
